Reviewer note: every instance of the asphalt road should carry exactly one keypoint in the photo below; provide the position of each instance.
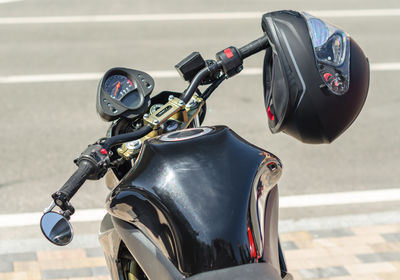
(45, 125)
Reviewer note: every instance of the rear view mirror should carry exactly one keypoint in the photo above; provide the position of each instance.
(56, 228)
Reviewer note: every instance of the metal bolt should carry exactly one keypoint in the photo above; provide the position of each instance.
(191, 104)
(145, 116)
(135, 145)
(156, 122)
(181, 103)
(170, 97)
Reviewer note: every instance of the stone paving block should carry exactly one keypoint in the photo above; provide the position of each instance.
(370, 268)
(308, 263)
(380, 257)
(67, 273)
(397, 265)
(305, 244)
(14, 276)
(72, 263)
(391, 237)
(288, 245)
(6, 266)
(353, 240)
(94, 252)
(324, 272)
(66, 254)
(389, 276)
(290, 236)
(376, 229)
(306, 253)
(21, 275)
(352, 277)
(104, 277)
(383, 247)
(26, 266)
(349, 250)
(99, 271)
(341, 232)
(296, 275)
(322, 251)
(18, 257)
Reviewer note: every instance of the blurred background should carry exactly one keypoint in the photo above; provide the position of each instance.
(52, 56)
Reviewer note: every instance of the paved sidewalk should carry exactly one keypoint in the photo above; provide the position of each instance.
(365, 253)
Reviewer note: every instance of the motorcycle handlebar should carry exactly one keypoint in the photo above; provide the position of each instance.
(254, 47)
(86, 167)
(244, 52)
(76, 180)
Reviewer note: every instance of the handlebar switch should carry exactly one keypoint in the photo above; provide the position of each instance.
(98, 157)
(231, 61)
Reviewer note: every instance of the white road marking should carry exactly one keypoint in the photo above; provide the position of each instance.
(311, 200)
(162, 74)
(343, 221)
(9, 1)
(340, 198)
(394, 66)
(29, 219)
(189, 16)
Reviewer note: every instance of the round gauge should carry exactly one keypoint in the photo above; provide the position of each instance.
(118, 86)
(123, 92)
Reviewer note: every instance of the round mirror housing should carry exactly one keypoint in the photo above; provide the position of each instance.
(56, 228)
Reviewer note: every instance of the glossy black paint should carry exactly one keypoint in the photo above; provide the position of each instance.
(193, 199)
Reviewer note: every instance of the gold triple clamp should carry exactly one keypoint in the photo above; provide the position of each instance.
(173, 106)
(175, 109)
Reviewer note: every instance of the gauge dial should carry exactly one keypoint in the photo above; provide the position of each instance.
(118, 86)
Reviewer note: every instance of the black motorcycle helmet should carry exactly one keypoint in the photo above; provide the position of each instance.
(316, 78)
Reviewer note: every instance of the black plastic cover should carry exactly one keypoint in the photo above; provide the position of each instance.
(190, 66)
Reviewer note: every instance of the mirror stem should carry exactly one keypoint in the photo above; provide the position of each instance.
(48, 209)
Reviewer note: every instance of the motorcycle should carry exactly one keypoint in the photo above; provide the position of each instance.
(193, 202)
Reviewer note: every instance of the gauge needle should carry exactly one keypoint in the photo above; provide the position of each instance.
(117, 87)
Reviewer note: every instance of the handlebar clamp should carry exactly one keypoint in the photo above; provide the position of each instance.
(62, 201)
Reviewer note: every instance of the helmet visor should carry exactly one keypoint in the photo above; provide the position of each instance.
(332, 54)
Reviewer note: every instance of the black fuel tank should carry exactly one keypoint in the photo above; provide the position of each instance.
(191, 194)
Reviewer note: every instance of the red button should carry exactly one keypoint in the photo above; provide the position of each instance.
(103, 151)
(228, 53)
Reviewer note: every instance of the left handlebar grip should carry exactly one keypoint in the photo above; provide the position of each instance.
(254, 47)
(85, 169)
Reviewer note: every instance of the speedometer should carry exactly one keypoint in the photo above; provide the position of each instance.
(123, 92)
(118, 86)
